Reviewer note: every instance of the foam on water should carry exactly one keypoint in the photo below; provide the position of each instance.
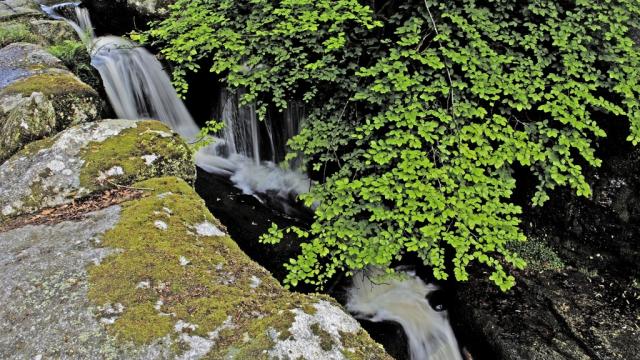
(138, 88)
(404, 300)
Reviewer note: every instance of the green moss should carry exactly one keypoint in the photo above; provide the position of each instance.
(74, 56)
(538, 255)
(213, 291)
(360, 346)
(199, 293)
(143, 317)
(326, 342)
(12, 32)
(126, 151)
(55, 83)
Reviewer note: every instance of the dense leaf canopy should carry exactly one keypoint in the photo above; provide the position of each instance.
(419, 111)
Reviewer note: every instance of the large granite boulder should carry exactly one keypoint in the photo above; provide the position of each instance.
(155, 277)
(39, 97)
(87, 159)
(105, 259)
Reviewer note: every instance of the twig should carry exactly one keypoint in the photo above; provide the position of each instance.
(126, 187)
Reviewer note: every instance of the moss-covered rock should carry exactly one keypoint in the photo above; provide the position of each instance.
(180, 276)
(39, 97)
(12, 9)
(158, 277)
(36, 31)
(89, 158)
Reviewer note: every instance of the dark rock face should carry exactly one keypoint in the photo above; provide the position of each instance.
(588, 308)
(125, 15)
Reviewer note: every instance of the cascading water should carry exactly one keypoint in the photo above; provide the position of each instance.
(139, 88)
(404, 300)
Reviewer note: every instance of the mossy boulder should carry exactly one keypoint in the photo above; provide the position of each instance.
(87, 159)
(158, 277)
(39, 97)
(37, 31)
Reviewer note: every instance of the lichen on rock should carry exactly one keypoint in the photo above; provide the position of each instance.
(38, 97)
(80, 161)
(209, 305)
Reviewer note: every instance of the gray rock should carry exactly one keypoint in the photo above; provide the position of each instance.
(115, 285)
(89, 158)
(45, 311)
(39, 97)
(11, 9)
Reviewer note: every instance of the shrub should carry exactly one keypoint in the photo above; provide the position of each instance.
(421, 111)
(75, 57)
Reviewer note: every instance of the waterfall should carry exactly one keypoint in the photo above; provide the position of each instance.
(403, 299)
(138, 88)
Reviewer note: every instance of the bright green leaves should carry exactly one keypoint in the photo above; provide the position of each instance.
(417, 116)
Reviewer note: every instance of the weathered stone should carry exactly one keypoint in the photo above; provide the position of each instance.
(37, 31)
(89, 158)
(581, 299)
(120, 286)
(39, 97)
(11, 9)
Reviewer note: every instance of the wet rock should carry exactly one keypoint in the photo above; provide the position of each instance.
(39, 97)
(581, 299)
(142, 8)
(87, 159)
(126, 14)
(113, 285)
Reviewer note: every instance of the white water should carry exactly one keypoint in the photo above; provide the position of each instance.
(404, 300)
(139, 88)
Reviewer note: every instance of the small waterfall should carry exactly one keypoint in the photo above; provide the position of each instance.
(404, 300)
(137, 85)
(139, 88)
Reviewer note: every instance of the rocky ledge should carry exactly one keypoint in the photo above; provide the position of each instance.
(115, 256)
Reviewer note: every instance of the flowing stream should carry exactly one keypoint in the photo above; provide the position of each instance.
(247, 151)
(405, 300)
(139, 88)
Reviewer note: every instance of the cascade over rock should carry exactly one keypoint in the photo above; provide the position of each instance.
(108, 252)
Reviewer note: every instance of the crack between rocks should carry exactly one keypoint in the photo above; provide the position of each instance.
(569, 331)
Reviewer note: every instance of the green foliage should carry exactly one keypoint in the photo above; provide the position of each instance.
(15, 32)
(420, 111)
(539, 256)
(75, 57)
(205, 137)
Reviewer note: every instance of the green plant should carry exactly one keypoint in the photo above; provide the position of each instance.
(205, 137)
(75, 57)
(15, 32)
(420, 111)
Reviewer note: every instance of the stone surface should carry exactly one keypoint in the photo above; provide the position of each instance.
(86, 159)
(12, 9)
(46, 312)
(587, 304)
(39, 97)
(114, 285)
